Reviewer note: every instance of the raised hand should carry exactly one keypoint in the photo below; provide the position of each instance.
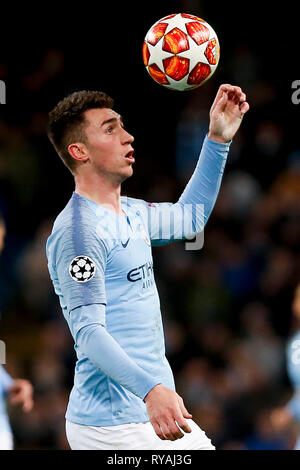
(226, 113)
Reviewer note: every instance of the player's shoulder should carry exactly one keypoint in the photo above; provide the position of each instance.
(76, 212)
(76, 221)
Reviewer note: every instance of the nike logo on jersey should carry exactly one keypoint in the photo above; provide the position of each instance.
(125, 244)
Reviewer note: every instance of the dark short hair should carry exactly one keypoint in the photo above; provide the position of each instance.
(66, 121)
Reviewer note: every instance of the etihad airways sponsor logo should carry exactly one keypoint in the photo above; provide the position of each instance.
(142, 273)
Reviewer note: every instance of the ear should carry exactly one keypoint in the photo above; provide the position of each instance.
(78, 151)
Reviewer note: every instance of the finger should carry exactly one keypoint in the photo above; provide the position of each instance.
(158, 431)
(167, 433)
(233, 97)
(221, 105)
(226, 87)
(181, 419)
(243, 97)
(28, 405)
(239, 92)
(175, 430)
(236, 95)
(244, 107)
(186, 414)
(184, 425)
(183, 409)
(222, 89)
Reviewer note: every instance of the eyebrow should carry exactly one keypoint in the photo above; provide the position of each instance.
(113, 119)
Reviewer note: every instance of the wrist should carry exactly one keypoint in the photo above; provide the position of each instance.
(150, 392)
(217, 138)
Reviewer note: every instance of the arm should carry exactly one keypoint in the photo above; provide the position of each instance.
(85, 304)
(92, 338)
(168, 222)
(184, 219)
(19, 391)
(226, 115)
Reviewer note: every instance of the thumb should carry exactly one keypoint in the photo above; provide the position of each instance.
(186, 414)
(184, 411)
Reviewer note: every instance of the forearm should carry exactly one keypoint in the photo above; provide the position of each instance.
(204, 185)
(184, 219)
(101, 348)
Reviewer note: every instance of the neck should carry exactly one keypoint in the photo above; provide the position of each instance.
(100, 190)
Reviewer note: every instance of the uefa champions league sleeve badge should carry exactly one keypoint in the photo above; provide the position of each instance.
(82, 269)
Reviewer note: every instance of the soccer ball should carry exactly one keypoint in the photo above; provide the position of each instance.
(181, 51)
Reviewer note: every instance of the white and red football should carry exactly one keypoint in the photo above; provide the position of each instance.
(181, 51)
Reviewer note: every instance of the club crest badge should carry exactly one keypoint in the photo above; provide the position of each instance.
(144, 234)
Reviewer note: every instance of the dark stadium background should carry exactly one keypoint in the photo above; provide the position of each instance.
(222, 306)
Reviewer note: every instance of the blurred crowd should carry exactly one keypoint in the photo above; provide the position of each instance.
(226, 308)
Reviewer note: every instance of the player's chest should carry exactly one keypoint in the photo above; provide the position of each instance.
(131, 254)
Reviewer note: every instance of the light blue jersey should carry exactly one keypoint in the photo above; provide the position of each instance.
(5, 382)
(101, 267)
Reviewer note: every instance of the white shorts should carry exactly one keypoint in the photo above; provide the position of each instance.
(133, 436)
(6, 440)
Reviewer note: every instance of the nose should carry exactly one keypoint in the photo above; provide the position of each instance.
(126, 137)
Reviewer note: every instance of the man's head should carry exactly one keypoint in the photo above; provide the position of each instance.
(87, 132)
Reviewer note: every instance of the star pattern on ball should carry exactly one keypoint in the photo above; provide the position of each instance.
(194, 53)
(177, 21)
(158, 56)
(82, 268)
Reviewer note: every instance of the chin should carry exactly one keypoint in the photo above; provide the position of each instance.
(126, 174)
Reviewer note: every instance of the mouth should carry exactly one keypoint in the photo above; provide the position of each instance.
(129, 156)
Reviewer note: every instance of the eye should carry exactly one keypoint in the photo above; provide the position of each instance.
(109, 130)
